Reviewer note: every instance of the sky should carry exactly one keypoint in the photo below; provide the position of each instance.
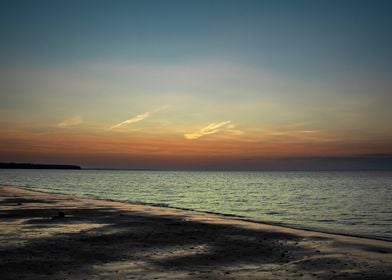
(197, 84)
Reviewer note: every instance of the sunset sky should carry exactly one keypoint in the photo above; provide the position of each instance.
(195, 84)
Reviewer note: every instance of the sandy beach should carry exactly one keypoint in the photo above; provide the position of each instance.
(52, 236)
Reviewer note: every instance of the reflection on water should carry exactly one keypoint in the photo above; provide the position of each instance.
(345, 202)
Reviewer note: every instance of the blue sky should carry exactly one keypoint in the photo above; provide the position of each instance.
(297, 37)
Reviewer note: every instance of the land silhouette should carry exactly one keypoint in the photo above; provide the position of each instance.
(12, 165)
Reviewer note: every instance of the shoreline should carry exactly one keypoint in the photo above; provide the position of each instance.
(103, 239)
(231, 216)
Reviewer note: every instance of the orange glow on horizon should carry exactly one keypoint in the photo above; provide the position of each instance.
(81, 145)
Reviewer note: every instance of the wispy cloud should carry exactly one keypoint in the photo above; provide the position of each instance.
(213, 128)
(133, 120)
(138, 118)
(70, 122)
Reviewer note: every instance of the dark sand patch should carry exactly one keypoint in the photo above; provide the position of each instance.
(109, 240)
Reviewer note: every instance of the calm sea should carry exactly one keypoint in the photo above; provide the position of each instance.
(357, 203)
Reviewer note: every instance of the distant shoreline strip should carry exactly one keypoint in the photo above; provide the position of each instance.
(12, 165)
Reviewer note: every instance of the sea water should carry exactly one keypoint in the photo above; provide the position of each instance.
(358, 203)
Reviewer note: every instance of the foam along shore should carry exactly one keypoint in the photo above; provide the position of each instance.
(53, 236)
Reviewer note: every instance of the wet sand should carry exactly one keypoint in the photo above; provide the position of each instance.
(98, 239)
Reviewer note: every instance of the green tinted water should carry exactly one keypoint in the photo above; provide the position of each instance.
(344, 202)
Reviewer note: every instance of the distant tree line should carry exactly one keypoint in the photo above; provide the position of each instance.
(12, 165)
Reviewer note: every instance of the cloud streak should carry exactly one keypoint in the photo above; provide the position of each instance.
(133, 120)
(210, 129)
(70, 122)
(138, 118)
